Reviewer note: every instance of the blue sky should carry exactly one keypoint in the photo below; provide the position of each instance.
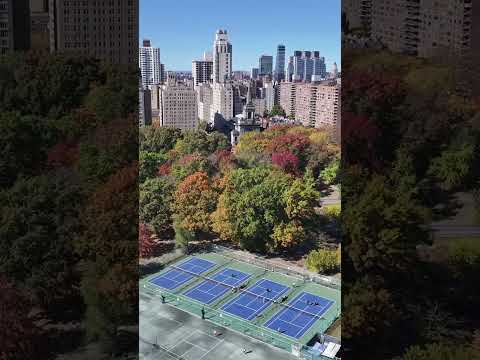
(184, 29)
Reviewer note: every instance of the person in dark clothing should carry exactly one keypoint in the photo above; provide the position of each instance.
(203, 313)
(163, 299)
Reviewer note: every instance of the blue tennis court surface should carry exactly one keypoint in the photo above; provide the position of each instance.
(249, 304)
(295, 323)
(207, 291)
(173, 278)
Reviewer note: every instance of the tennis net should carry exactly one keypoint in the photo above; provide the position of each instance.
(276, 298)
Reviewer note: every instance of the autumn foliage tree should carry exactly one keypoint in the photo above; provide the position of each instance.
(20, 336)
(194, 200)
(145, 242)
(287, 161)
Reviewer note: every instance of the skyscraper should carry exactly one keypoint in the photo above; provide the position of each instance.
(222, 57)
(319, 67)
(106, 30)
(14, 25)
(308, 66)
(150, 66)
(254, 73)
(280, 63)
(266, 64)
(289, 69)
(298, 66)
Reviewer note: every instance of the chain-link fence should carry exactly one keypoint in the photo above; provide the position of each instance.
(294, 271)
(223, 319)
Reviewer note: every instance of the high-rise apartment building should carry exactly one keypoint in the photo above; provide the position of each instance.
(269, 95)
(150, 65)
(314, 104)
(14, 25)
(265, 65)
(417, 27)
(222, 57)
(204, 101)
(254, 73)
(287, 97)
(280, 63)
(176, 103)
(222, 101)
(202, 70)
(106, 30)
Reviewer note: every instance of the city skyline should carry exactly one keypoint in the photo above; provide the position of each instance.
(191, 31)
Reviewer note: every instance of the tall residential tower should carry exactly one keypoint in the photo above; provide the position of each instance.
(222, 57)
(150, 68)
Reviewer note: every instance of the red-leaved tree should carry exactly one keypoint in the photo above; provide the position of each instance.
(18, 333)
(146, 243)
(164, 169)
(287, 161)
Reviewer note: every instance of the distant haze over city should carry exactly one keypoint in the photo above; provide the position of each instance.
(183, 30)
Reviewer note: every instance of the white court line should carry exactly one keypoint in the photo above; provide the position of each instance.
(309, 324)
(204, 333)
(295, 301)
(213, 347)
(188, 342)
(278, 315)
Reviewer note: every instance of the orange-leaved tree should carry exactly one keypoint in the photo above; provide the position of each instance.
(194, 200)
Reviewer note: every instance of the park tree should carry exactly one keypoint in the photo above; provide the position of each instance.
(253, 203)
(324, 261)
(294, 143)
(287, 161)
(301, 198)
(251, 149)
(366, 303)
(145, 242)
(158, 139)
(277, 110)
(287, 235)
(47, 86)
(150, 163)
(441, 352)
(24, 141)
(108, 248)
(155, 204)
(38, 218)
(197, 141)
(389, 243)
(222, 223)
(330, 174)
(183, 237)
(194, 200)
(104, 102)
(113, 146)
(453, 166)
(190, 164)
(21, 338)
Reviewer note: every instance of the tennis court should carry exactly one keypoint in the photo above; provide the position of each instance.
(216, 286)
(300, 314)
(182, 273)
(255, 299)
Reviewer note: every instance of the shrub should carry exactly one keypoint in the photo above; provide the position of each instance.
(323, 261)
